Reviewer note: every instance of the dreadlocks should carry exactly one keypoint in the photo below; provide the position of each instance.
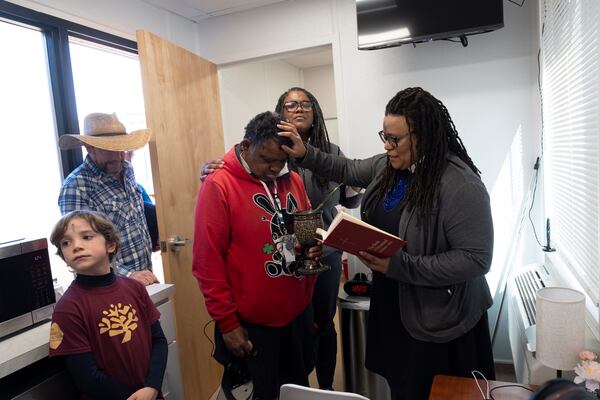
(318, 134)
(429, 121)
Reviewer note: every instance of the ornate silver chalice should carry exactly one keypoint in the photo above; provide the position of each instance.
(305, 228)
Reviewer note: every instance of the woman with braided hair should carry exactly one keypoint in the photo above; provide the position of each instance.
(299, 107)
(429, 301)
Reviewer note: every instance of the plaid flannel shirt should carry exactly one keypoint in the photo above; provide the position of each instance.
(89, 188)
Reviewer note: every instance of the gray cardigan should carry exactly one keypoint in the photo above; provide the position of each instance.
(316, 195)
(441, 271)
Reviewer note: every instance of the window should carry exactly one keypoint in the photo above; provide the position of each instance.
(571, 119)
(29, 160)
(109, 80)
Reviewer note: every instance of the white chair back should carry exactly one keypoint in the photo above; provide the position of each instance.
(297, 392)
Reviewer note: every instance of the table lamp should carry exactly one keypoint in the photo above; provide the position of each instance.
(560, 327)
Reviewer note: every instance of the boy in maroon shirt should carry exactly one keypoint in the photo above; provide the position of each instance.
(106, 326)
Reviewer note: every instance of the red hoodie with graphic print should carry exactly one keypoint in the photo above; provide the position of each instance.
(235, 259)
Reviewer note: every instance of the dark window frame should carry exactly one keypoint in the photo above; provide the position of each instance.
(57, 32)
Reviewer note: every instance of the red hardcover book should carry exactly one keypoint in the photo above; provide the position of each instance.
(352, 235)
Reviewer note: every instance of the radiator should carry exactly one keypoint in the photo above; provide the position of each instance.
(521, 324)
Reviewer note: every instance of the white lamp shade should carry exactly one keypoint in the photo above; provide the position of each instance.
(560, 330)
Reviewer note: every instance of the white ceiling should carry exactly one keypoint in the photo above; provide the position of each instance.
(197, 10)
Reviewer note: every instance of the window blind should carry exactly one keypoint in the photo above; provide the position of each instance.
(571, 112)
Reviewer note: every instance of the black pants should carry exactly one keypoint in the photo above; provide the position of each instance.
(324, 304)
(472, 351)
(282, 355)
(409, 364)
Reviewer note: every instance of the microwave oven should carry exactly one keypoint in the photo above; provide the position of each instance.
(26, 288)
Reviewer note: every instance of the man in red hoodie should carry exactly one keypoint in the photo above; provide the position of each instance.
(243, 260)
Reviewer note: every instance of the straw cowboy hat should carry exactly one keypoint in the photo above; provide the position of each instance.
(106, 132)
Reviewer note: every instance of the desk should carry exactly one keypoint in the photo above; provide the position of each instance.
(457, 388)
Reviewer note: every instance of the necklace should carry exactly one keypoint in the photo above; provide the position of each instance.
(395, 195)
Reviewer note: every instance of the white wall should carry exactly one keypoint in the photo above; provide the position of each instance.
(121, 18)
(264, 31)
(320, 81)
(249, 88)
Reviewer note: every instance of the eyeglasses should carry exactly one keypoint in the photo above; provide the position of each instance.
(293, 105)
(391, 139)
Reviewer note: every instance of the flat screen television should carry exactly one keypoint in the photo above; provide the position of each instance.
(387, 23)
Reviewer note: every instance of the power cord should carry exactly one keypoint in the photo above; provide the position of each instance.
(505, 386)
(536, 167)
(485, 396)
(212, 353)
(547, 248)
(243, 392)
(488, 393)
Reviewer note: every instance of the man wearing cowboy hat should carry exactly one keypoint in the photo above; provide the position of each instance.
(105, 182)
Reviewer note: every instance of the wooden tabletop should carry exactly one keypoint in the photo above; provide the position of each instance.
(457, 388)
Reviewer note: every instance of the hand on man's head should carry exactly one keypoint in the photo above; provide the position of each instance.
(288, 130)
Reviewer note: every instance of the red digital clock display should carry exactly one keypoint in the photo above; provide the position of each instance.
(360, 289)
(357, 288)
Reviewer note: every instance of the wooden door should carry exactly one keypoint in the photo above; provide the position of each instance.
(183, 110)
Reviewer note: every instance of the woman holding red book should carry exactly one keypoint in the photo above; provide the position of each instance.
(429, 301)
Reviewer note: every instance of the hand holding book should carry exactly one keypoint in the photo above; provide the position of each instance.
(352, 235)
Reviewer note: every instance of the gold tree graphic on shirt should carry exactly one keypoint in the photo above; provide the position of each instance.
(119, 320)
